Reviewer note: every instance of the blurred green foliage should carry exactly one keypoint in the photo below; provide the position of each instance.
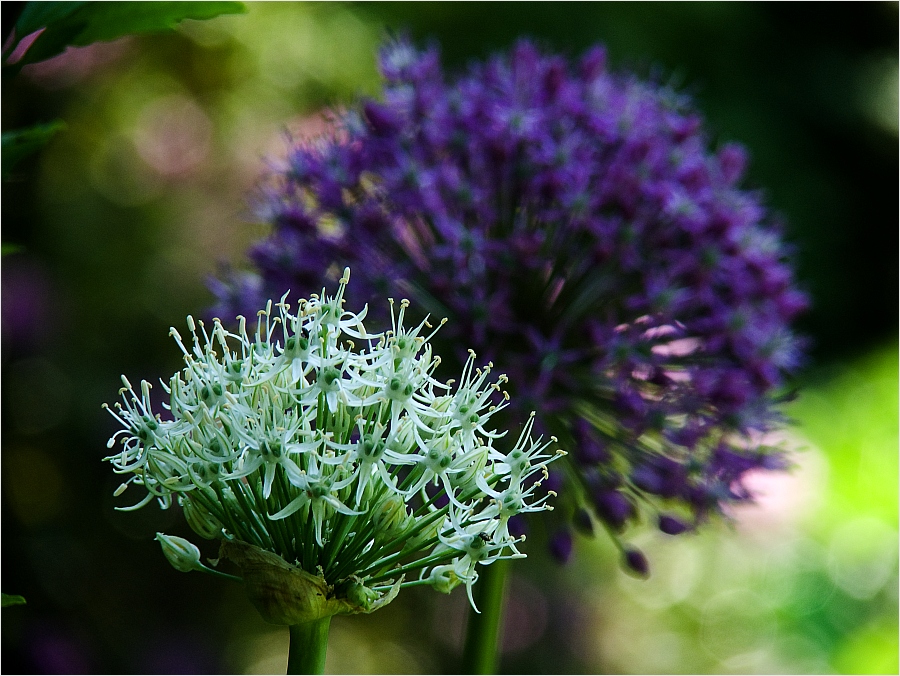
(78, 24)
(850, 411)
(44, 29)
(12, 600)
(17, 145)
(804, 582)
(123, 215)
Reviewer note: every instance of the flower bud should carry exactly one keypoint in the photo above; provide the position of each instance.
(670, 525)
(183, 555)
(465, 480)
(200, 520)
(361, 596)
(390, 516)
(636, 562)
(380, 118)
(444, 579)
(613, 508)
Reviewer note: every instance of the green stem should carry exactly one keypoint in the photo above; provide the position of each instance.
(219, 573)
(309, 642)
(482, 630)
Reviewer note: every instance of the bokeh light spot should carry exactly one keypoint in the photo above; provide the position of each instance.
(861, 556)
(173, 135)
(32, 484)
(39, 394)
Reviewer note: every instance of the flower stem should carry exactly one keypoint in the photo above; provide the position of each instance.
(309, 642)
(482, 630)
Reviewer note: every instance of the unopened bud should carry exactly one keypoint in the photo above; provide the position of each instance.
(390, 516)
(201, 521)
(361, 596)
(183, 555)
(636, 562)
(671, 526)
(444, 579)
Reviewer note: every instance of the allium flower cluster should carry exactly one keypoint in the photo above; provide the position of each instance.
(572, 223)
(358, 464)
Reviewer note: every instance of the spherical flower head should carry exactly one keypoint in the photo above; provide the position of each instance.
(574, 223)
(330, 461)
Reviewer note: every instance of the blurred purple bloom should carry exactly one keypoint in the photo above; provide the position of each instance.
(561, 545)
(517, 525)
(577, 230)
(27, 302)
(56, 651)
(613, 508)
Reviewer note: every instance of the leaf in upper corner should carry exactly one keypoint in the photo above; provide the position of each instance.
(102, 21)
(19, 144)
(12, 600)
(37, 15)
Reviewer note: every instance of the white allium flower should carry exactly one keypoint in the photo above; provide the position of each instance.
(351, 462)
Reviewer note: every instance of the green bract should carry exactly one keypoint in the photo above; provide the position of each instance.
(333, 474)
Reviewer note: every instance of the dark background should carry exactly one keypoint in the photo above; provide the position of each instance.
(119, 222)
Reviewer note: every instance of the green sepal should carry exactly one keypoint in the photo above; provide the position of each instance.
(286, 594)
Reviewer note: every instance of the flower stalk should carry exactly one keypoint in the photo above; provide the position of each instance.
(483, 630)
(309, 642)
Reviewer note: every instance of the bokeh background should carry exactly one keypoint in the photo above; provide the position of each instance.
(123, 215)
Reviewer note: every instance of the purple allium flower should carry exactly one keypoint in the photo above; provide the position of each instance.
(578, 230)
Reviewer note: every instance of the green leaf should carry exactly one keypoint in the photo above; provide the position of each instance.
(12, 600)
(6, 249)
(102, 21)
(37, 15)
(18, 145)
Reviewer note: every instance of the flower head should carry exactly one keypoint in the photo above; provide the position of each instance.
(572, 223)
(353, 462)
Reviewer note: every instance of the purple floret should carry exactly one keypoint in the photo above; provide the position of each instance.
(576, 228)
(561, 545)
(635, 561)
